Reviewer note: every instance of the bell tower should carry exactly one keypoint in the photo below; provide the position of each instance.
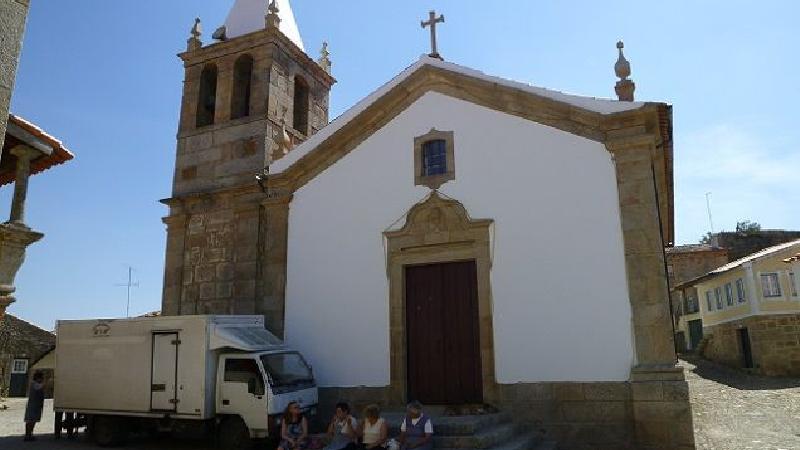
(248, 98)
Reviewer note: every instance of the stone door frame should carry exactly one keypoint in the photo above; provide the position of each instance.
(438, 230)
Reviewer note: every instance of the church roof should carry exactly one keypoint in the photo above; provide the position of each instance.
(247, 16)
(592, 104)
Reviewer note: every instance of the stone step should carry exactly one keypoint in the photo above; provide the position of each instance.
(485, 439)
(454, 425)
(547, 445)
(529, 441)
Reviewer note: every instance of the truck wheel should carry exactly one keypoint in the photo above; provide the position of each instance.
(233, 434)
(108, 431)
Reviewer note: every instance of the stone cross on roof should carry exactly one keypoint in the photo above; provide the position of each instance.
(432, 21)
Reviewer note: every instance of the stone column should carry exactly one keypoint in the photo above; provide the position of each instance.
(275, 226)
(661, 407)
(24, 156)
(174, 276)
(13, 14)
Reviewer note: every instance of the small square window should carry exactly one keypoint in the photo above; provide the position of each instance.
(434, 159)
(770, 285)
(19, 366)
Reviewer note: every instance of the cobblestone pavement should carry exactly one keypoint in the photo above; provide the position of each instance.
(737, 411)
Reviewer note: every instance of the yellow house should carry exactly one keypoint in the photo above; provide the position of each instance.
(750, 311)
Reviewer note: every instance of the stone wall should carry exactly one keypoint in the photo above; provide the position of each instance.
(13, 14)
(774, 340)
(579, 416)
(740, 245)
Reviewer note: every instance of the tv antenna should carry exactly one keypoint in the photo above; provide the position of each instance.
(708, 208)
(130, 284)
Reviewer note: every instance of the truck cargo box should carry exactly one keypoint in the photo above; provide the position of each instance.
(152, 366)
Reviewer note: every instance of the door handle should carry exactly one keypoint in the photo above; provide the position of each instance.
(226, 402)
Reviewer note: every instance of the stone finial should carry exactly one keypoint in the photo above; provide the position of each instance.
(324, 60)
(194, 41)
(622, 68)
(273, 18)
(221, 34)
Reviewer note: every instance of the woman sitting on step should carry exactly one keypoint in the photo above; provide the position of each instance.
(374, 432)
(416, 431)
(343, 428)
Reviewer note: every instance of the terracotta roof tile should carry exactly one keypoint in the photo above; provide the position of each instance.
(60, 153)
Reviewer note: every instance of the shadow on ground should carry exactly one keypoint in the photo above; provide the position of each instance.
(737, 378)
(48, 442)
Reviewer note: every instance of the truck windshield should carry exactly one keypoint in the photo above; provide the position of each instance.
(287, 369)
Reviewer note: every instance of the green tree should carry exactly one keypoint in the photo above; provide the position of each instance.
(747, 227)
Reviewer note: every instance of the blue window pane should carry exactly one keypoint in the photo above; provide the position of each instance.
(434, 157)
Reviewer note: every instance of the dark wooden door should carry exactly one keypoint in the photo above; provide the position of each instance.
(695, 333)
(747, 353)
(443, 337)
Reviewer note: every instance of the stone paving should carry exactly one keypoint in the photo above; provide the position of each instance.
(737, 411)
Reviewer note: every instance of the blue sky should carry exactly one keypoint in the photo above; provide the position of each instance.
(104, 78)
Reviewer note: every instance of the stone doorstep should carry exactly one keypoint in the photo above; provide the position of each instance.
(454, 425)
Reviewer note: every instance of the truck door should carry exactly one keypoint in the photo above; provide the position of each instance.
(163, 387)
(242, 391)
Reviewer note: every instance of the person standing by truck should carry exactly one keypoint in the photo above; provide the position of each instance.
(35, 405)
(294, 428)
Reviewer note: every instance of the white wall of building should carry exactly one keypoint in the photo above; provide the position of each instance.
(560, 303)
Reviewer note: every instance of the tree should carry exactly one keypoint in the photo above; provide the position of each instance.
(748, 227)
(707, 238)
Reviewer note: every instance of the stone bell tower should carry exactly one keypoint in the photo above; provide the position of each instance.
(248, 99)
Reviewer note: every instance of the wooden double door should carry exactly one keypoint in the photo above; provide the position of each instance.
(443, 334)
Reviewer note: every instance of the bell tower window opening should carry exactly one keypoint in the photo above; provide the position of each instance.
(301, 106)
(242, 83)
(434, 157)
(207, 98)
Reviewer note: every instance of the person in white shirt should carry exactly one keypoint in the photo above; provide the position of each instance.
(374, 431)
(342, 429)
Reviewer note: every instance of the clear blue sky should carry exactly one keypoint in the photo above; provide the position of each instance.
(103, 77)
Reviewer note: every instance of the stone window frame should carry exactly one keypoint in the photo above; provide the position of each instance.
(434, 181)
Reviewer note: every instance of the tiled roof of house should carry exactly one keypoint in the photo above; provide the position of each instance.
(734, 264)
(59, 155)
(25, 338)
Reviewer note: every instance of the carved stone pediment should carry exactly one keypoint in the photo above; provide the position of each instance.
(435, 221)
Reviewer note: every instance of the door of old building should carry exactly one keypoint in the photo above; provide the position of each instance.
(747, 353)
(695, 333)
(442, 329)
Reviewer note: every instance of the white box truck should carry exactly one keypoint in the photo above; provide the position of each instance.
(225, 375)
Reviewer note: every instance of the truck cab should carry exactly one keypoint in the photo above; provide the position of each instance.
(258, 386)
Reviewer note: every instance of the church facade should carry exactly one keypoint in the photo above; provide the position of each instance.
(453, 238)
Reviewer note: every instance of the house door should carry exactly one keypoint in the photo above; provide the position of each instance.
(747, 352)
(163, 390)
(18, 386)
(443, 334)
(695, 333)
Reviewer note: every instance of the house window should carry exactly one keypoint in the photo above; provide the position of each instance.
(19, 366)
(434, 162)
(718, 297)
(709, 301)
(729, 294)
(242, 80)
(207, 99)
(770, 285)
(740, 292)
(301, 105)
(691, 304)
(793, 284)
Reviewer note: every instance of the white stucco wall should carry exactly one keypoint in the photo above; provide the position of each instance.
(560, 302)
